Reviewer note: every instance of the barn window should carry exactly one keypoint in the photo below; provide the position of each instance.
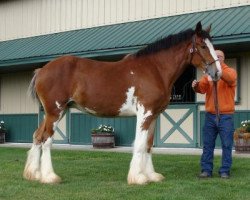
(182, 91)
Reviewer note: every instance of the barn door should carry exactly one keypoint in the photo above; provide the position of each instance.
(61, 133)
(177, 127)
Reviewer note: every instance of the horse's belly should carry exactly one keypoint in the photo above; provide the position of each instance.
(84, 109)
(106, 111)
(109, 107)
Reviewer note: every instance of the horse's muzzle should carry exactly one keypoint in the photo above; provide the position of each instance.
(212, 70)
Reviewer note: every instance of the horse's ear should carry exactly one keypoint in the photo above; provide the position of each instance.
(208, 29)
(198, 28)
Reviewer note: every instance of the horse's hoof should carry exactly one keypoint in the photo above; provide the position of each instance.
(139, 179)
(31, 176)
(155, 177)
(51, 178)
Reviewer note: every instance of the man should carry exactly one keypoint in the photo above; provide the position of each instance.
(225, 127)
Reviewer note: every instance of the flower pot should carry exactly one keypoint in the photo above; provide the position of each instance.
(242, 143)
(103, 140)
(2, 136)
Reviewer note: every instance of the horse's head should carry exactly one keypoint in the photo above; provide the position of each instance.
(203, 54)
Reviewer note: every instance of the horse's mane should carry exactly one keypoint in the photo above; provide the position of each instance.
(169, 42)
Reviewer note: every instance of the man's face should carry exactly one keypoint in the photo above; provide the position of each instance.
(220, 56)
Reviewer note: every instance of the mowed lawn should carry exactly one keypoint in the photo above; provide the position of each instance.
(102, 175)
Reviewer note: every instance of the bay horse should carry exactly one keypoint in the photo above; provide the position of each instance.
(138, 85)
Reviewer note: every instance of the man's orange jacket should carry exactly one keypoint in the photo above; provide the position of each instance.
(226, 91)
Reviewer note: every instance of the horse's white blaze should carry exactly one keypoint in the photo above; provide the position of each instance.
(32, 166)
(132, 73)
(128, 108)
(47, 172)
(212, 52)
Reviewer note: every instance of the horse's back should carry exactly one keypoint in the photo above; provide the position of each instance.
(54, 80)
(81, 80)
(99, 86)
(63, 69)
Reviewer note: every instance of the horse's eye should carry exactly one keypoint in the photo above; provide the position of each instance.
(203, 46)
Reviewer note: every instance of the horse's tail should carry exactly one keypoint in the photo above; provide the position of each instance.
(32, 90)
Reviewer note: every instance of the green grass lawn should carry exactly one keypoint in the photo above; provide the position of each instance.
(102, 175)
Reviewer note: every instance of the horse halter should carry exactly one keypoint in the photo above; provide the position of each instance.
(195, 50)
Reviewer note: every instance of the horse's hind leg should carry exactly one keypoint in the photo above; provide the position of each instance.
(47, 172)
(32, 166)
(40, 167)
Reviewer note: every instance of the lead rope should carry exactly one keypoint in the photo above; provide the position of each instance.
(216, 105)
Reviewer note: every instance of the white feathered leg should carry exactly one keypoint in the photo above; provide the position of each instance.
(149, 170)
(32, 166)
(47, 173)
(138, 163)
(136, 172)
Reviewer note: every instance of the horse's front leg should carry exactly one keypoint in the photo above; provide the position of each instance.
(39, 166)
(149, 170)
(141, 167)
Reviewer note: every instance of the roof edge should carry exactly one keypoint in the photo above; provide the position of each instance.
(232, 39)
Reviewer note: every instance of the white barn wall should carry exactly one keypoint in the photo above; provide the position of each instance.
(14, 98)
(244, 82)
(25, 18)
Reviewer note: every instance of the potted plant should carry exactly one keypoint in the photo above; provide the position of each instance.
(242, 137)
(103, 136)
(3, 131)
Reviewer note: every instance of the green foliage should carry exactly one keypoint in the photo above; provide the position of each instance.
(102, 175)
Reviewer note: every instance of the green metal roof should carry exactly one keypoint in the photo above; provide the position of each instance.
(229, 26)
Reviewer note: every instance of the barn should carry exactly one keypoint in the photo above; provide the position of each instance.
(35, 32)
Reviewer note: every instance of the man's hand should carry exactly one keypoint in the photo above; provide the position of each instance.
(194, 83)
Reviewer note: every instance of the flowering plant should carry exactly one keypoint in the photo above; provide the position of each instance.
(244, 127)
(103, 129)
(2, 127)
(243, 131)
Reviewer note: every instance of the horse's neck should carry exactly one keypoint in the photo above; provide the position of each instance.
(172, 63)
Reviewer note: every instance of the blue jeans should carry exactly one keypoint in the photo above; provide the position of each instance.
(225, 129)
